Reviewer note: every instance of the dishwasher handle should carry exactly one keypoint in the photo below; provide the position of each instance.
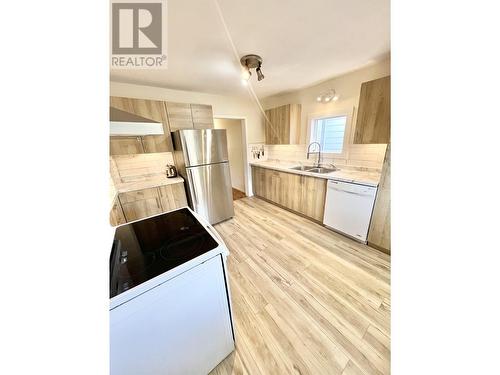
(351, 188)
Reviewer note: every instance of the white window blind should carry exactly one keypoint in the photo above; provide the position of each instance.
(329, 133)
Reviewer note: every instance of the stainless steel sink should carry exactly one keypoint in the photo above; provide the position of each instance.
(310, 168)
(302, 167)
(320, 170)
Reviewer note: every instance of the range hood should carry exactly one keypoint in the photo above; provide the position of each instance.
(122, 123)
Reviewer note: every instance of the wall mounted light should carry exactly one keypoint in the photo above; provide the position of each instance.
(327, 96)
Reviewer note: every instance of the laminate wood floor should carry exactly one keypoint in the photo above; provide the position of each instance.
(305, 299)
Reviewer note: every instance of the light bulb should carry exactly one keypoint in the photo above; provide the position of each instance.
(335, 98)
(246, 74)
(318, 99)
(327, 99)
(244, 82)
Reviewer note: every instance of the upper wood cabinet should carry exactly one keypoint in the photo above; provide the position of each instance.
(203, 117)
(189, 116)
(283, 124)
(299, 193)
(379, 234)
(373, 124)
(154, 110)
(179, 116)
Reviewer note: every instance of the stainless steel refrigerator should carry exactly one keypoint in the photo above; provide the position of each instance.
(202, 160)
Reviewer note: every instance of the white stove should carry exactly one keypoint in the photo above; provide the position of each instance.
(170, 308)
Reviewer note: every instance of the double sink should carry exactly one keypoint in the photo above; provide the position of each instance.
(312, 169)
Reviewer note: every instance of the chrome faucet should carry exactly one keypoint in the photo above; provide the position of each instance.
(318, 162)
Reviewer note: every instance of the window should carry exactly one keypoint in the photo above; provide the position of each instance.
(329, 133)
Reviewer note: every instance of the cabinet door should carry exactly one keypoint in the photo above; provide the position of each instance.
(172, 196)
(150, 109)
(258, 181)
(116, 216)
(179, 116)
(125, 145)
(379, 233)
(283, 124)
(273, 127)
(203, 117)
(313, 197)
(292, 184)
(373, 124)
(140, 204)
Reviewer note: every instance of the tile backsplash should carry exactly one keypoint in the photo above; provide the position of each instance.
(357, 156)
(138, 167)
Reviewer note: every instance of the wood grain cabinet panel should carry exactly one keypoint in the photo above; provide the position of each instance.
(172, 197)
(282, 124)
(140, 204)
(373, 124)
(258, 178)
(299, 193)
(125, 145)
(179, 116)
(203, 117)
(154, 110)
(379, 234)
(312, 202)
(116, 216)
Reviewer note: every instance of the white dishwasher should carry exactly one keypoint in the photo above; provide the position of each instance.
(349, 207)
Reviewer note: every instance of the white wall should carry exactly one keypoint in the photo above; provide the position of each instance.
(235, 149)
(348, 87)
(222, 106)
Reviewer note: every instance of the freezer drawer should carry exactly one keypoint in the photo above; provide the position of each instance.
(210, 192)
(349, 207)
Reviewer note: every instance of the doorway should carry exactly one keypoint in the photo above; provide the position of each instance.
(235, 132)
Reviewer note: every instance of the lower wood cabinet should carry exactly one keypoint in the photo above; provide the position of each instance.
(116, 216)
(299, 193)
(172, 196)
(139, 204)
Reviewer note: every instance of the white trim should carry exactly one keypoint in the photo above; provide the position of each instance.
(347, 112)
(246, 165)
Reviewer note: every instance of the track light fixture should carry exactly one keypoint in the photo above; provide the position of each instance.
(251, 62)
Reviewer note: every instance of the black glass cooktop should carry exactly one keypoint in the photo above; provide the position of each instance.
(150, 247)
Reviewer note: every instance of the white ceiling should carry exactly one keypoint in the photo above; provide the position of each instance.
(302, 42)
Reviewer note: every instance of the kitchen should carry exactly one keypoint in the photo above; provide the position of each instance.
(260, 187)
(265, 219)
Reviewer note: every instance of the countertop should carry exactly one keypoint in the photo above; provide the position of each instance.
(369, 178)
